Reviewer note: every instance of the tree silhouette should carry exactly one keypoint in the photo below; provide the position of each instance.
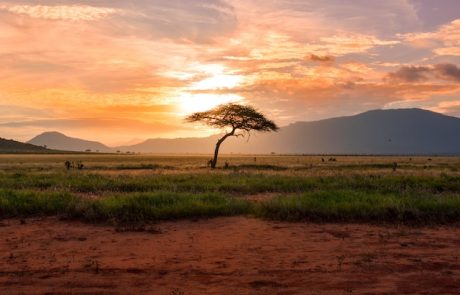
(237, 119)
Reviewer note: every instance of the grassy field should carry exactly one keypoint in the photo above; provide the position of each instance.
(139, 188)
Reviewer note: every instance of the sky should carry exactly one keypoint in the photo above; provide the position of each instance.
(121, 71)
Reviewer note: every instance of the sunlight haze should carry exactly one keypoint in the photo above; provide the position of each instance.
(115, 71)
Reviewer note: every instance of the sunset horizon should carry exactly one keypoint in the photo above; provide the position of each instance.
(213, 134)
(116, 72)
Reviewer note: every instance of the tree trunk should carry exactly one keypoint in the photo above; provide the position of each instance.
(216, 150)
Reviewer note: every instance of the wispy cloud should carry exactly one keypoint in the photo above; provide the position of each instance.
(444, 41)
(61, 12)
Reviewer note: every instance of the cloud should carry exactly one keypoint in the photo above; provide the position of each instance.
(448, 72)
(197, 21)
(321, 58)
(8, 111)
(448, 107)
(61, 12)
(411, 74)
(444, 41)
(346, 43)
(200, 21)
(381, 18)
(119, 124)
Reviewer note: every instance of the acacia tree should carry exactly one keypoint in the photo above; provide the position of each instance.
(236, 119)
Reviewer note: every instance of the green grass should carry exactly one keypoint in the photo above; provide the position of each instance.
(352, 206)
(30, 203)
(230, 183)
(125, 208)
(324, 206)
(149, 188)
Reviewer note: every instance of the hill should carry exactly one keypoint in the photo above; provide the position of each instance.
(192, 145)
(8, 146)
(59, 141)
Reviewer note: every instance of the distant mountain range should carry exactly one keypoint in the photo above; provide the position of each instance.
(379, 132)
(59, 141)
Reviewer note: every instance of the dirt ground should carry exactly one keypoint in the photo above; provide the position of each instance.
(234, 255)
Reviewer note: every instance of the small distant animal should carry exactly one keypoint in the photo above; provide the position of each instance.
(227, 164)
(80, 165)
(209, 164)
(71, 165)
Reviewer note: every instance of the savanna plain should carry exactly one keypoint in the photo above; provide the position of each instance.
(277, 224)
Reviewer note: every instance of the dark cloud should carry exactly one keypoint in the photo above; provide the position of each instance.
(447, 71)
(444, 71)
(321, 58)
(411, 74)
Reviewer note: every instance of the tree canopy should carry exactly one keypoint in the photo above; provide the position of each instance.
(235, 117)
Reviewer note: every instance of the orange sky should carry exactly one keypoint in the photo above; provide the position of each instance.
(114, 71)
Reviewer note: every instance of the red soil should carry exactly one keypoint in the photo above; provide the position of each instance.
(233, 255)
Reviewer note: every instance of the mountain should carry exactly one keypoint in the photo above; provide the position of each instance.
(59, 141)
(8, 146)
(192, 145)
(399, 131)
(377, 132)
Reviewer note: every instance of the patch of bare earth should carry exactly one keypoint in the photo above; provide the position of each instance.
(234, 255)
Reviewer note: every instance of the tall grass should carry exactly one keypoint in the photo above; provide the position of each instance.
(126, 207)
(29, 203)
(235, 183)
(352, 206)
(325, 206)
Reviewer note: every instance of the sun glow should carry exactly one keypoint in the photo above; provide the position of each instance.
(217, 82)
(215, 78)
(190, 103)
